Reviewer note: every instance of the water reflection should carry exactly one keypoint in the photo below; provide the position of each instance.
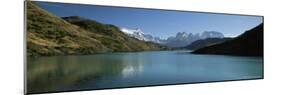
(62, 73)
(132, 70)
(53, 73)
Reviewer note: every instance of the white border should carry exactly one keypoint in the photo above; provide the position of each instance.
(11, 50)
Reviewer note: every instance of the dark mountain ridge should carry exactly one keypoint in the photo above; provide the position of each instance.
(205, 42)
(249, 43)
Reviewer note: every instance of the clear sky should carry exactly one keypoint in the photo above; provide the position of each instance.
(160, 23)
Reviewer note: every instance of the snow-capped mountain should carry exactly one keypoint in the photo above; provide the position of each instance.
(181, 39)
(139, 34)
(211, 34)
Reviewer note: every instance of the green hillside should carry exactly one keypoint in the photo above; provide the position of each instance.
(48, 35)
(111, 37)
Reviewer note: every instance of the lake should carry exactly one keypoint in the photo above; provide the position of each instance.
(110, 70)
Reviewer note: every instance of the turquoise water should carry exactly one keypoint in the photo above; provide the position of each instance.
(64, 73)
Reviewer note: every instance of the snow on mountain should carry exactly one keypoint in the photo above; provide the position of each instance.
(211, 34)
(139, 34)
(181, 39)
(128, 31)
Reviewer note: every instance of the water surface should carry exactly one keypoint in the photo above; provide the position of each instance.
(64, 73)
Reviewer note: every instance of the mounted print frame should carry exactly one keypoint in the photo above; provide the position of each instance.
(77, 47)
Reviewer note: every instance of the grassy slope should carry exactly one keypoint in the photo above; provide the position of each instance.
(48, 34)
(249, 43)
(112, 36)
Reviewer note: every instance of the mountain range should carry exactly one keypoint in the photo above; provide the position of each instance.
(181, 39)
(139, 34)
(48, 34)
(250, 43)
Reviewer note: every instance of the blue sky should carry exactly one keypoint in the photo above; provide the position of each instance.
(161, 23)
